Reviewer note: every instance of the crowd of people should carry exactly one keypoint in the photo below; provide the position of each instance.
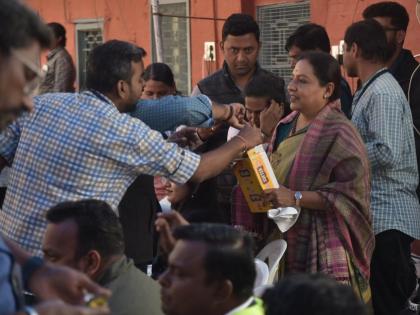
(121, 198)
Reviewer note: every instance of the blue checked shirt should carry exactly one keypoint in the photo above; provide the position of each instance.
(169, 112)
(77, 146)
(384, 120)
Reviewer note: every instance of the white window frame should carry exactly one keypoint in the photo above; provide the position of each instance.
(85, 25)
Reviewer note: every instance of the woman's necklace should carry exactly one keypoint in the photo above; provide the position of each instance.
(293, 131)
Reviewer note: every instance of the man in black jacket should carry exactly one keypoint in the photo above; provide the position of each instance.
(240, 46)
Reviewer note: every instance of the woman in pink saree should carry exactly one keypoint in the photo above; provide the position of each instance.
(321, 163)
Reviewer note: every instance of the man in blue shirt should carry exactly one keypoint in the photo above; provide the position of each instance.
(22, 35)
(401, 63)
(381, 113)
(82, 145)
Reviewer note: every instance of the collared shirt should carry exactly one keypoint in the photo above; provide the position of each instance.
(7, 300)
(242, 306)
(11, 298)
(252, 306)
(77, 146)
(384, 120)
(169, 112)
(60, 72)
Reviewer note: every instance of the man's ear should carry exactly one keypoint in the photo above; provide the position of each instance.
(122, 89)
(60, 40)
(401, 37)
(354, 50)
(223, 291)
(92, 263)
(222, 45)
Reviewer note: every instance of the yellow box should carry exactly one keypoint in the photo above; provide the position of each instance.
(255, 174)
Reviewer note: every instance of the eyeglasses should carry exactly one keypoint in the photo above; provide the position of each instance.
(33, 73)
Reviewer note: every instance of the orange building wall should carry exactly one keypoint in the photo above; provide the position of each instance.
(208, 31)
(123, 19)
(337, 15)
(130, 20)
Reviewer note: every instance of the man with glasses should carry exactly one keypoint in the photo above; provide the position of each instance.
(22, 35)
(401, 64)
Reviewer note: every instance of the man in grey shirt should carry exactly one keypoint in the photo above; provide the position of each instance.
(60, 73)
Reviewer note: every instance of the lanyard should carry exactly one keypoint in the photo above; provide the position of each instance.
(100, 96)
(377, 75)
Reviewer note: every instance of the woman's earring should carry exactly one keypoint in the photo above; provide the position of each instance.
(325, 96)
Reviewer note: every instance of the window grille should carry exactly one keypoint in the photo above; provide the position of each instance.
(175, 41)
(277, 23)
(87, 39)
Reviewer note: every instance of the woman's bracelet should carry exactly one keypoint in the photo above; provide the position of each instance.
(265, 136)
(245, 148)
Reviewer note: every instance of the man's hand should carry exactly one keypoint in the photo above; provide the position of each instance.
(238, 116)
(233, 114)
(251, 135)
(56, 307)
(165, 224)
(52, 282)
(270, 117)
(186, 137)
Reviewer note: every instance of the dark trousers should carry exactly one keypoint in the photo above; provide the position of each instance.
(393, 276)
(138, 209)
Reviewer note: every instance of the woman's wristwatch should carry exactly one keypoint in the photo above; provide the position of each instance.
(298, 197)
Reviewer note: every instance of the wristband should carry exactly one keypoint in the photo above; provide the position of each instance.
(198, 135)
(28, 269)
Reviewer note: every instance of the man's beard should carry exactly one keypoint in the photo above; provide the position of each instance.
(8, 116)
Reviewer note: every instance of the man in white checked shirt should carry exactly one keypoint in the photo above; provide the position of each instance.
(382, 115)
(79, 146)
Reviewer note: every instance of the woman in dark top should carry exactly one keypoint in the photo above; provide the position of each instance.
(139, 206)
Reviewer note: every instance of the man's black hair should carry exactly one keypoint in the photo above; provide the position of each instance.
(59, 31)
(229, 254)
(370, 39)
(266, 86)
(395, 11)
(312, 294)
(310, 36)
(110, 62)
(326, 69)
(19, 26)
(98, 227)
(239, 24)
